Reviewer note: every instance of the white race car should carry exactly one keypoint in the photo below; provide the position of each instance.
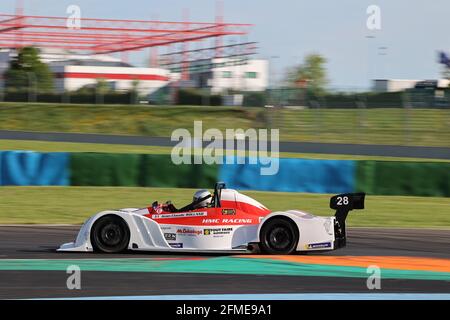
(223, 221)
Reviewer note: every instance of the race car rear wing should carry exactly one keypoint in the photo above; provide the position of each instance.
(348, 201)
(343, 204)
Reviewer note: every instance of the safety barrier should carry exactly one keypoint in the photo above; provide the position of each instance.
(160, 171)
(105, 169)
(404, 178)
(294, 175)
(26, 168)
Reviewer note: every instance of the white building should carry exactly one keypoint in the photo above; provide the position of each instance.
(74, 71)
(393, 85)
(71, 76)
(224, 75)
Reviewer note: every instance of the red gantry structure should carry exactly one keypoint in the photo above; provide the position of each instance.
(103, 36)
(191, 46)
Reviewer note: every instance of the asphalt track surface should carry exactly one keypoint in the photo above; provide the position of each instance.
(40, 242)
(293, 147)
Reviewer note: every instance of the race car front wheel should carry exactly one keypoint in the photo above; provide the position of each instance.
(110, 234)
(279, 236)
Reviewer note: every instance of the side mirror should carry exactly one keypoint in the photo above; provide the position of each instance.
(217, 192)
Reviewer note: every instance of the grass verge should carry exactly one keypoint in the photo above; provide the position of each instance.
(72, 205)
(44, 146)
(394, 126)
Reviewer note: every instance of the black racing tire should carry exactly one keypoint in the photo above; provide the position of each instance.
(279, 236)
(110, 234)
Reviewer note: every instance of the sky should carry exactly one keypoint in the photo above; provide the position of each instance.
(411, 31)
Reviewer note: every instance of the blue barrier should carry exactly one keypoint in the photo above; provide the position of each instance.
(294, 175)
(25, 168)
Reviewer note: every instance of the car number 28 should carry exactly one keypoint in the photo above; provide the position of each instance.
(342, 201)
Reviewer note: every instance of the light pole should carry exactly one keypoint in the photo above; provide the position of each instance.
(369, 37)
(272, 79)
(370, 74)
(382, 52)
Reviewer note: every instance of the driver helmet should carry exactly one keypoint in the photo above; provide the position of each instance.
(199, 195)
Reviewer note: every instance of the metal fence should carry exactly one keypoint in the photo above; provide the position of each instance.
(410, 98)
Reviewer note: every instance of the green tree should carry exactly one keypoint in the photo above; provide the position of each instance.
(102, 86)
(27, 72)
(134, 92)
(311, 74)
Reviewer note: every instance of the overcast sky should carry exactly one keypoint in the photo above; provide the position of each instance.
(412, 30)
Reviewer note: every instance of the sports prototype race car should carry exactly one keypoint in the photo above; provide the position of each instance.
(223, 221)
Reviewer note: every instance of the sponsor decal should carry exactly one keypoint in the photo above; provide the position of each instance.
(227, 220)
(170, 236)
(318, 245)
(242, 221)
(179, 215)
(189, 232)
(327, 226)
(229, 212)
(217, 231)
(210, 221)
(176, 245)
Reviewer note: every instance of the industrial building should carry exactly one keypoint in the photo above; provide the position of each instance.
(226, 74)
(75, 71)
(395, 85)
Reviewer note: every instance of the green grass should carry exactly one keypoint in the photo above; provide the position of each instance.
(419, 127)
(44, 146)
(74, 204)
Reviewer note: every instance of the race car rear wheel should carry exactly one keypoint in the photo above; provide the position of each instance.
(279, 236)
(110, 234)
